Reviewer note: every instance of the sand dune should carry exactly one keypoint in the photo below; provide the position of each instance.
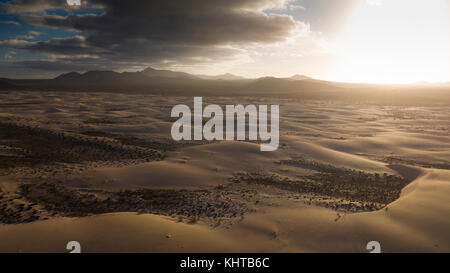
(416, 222)
(300, 198)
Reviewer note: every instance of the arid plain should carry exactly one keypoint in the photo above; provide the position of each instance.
(102, 169)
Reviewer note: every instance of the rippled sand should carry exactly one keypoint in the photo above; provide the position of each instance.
(345, 174)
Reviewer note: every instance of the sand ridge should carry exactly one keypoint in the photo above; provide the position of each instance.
(129, 174)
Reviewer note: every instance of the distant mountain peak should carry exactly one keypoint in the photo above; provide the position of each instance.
(151, 72)
(70, 75)
(149, 69)
(298, 77)
(226, 76)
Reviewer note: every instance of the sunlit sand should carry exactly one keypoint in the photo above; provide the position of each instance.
(102, 169)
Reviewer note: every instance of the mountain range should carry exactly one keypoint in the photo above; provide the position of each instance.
(148, 80)
(167, 82)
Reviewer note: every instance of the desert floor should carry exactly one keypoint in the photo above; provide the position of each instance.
(102, 169)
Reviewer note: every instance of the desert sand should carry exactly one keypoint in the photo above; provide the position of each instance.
(102, 169)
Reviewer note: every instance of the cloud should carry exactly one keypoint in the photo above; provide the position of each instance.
(10, 23)
(57, 46)
(296, 7)
(147, 32)
(191, 22)
(74, 2)
(36, 6)
(29, 36)
(9, 55)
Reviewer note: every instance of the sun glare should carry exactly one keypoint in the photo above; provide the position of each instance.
(396, 41)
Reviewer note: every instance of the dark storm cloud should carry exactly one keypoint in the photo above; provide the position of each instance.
(57, 65)
(73, 54)
(194, 21)
(155, 31)
(213, 28)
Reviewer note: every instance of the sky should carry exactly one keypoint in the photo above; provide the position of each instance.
(374, 41)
